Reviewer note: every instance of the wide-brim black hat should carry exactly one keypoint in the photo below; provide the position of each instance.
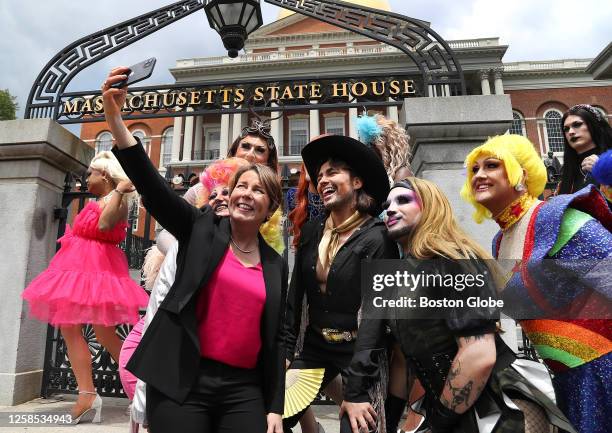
(364, 162)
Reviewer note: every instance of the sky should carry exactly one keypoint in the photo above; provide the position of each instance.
(33, 31)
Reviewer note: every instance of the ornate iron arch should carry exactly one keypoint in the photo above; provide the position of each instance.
(433, 56)
(437, 63)
(52, 81)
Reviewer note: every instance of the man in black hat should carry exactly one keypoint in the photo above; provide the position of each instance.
(352, 183)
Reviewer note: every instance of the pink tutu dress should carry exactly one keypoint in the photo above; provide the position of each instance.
(88, 279)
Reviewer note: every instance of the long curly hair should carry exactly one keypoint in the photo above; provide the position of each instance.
(389, 140)
(299, 215)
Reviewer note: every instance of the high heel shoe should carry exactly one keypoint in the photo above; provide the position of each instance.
(95, 410)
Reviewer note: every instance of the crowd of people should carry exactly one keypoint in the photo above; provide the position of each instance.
(231, 343)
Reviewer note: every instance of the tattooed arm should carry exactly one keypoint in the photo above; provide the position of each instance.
(469, 372)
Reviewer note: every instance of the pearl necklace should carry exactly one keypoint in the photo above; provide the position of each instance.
(240, 249)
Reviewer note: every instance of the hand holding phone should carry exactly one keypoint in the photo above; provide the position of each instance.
(138, 72)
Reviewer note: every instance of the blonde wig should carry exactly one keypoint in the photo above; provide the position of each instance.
(106, 163)
(437, 232)
(518, 154)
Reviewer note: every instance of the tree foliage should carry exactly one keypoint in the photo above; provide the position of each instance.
(8, 105)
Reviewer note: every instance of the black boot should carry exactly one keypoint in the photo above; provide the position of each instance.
(394, 409)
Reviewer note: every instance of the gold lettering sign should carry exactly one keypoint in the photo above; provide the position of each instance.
(216, 97)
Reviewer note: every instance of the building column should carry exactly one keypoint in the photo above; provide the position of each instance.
(188, 138)
(314, 126)
(276, 126)
(197, 141)
(177, 139)
(225, 135)
(352, 127)
(484, 82)
(392, 112)
(499, 84)
(238, 122)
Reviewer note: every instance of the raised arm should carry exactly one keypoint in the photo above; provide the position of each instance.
(114, 99)
(117, 207)
(172, 212)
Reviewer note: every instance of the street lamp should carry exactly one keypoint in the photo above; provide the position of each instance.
(234, 20)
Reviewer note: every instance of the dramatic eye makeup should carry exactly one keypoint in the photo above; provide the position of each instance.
(214, 195)
(402, 199)
(577, 124)
(405, 198)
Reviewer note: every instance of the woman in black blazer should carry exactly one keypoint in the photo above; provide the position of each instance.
(203, 372)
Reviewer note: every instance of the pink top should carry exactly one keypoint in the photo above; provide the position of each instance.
(229, 313)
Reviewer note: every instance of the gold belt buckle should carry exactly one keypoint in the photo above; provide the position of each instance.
(335, 335)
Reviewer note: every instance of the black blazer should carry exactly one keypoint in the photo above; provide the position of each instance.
(168, 356)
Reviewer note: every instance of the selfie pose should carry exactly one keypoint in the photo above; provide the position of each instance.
(207, 368)
(88, 280)
(213, 190)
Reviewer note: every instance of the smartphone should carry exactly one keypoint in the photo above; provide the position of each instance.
(138, 72)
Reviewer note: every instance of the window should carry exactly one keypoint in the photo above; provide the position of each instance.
(166, 147)
(518, 124)
(334, 125)
(104, 142)
(212, 144)
(146, 141)
(554, 130)
(298, 135)
(134, 216)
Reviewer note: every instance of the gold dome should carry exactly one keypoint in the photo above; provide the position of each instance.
(376, 4)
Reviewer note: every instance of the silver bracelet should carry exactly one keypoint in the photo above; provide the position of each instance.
(120, 192)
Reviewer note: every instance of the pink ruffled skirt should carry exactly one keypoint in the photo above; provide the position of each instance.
(87, 281)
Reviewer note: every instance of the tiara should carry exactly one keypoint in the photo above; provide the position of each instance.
(594, 111)
(259, 126)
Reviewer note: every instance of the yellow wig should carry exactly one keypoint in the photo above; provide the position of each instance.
(272, 231)
(518, 154)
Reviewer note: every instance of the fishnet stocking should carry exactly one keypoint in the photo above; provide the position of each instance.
(535, 417)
